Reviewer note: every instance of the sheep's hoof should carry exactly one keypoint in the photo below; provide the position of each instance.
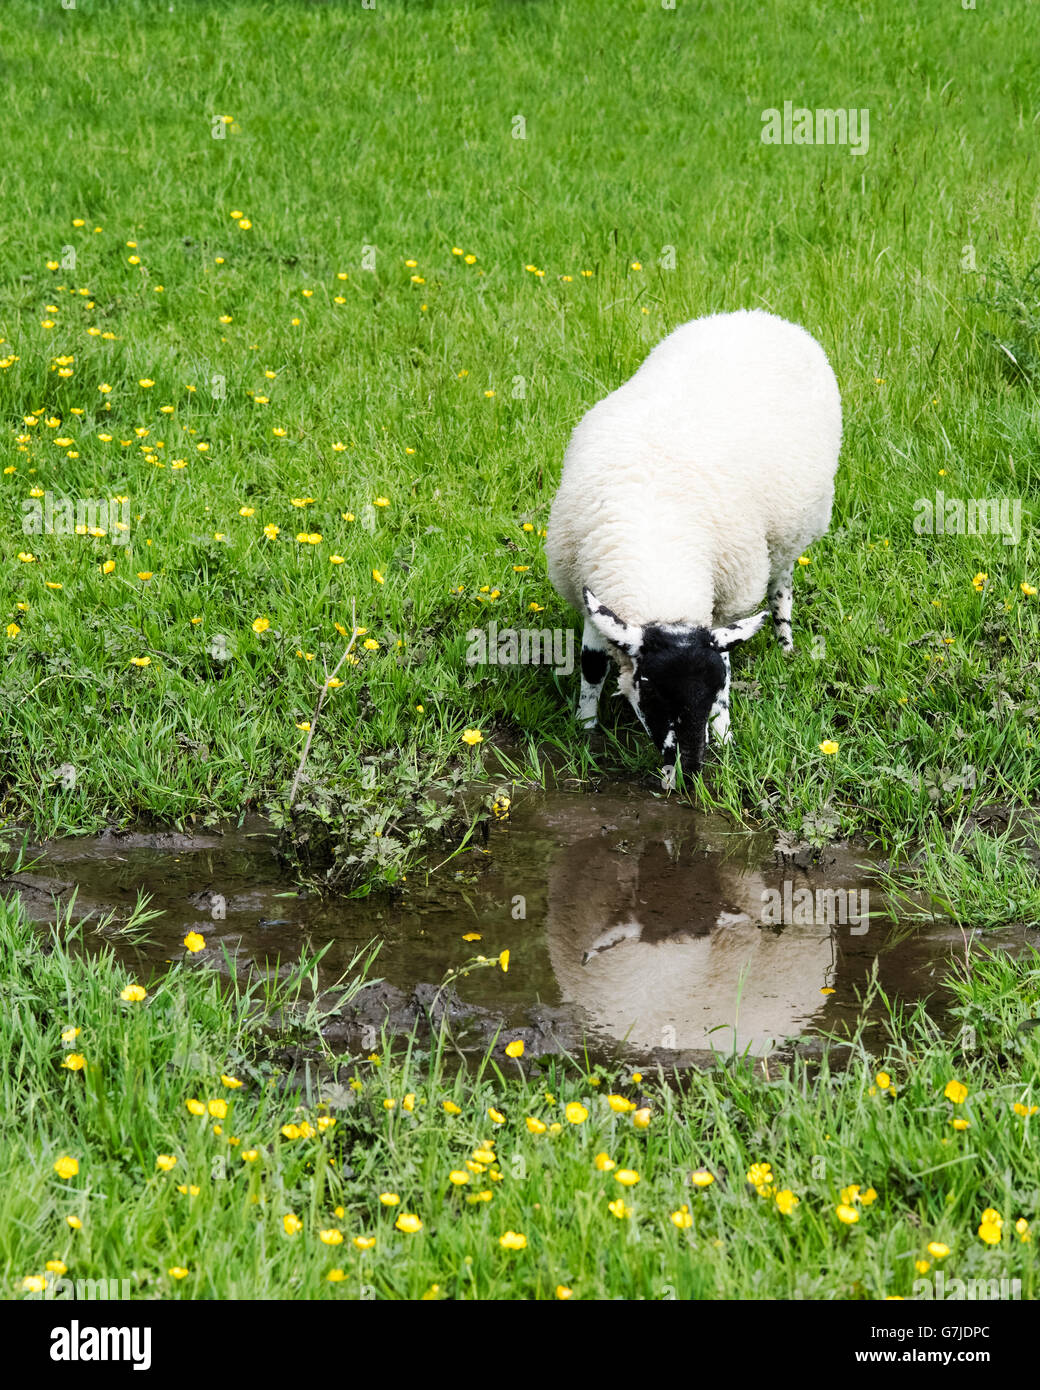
(587, 722)
(668, 779)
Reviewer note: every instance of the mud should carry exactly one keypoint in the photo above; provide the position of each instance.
(638, 930)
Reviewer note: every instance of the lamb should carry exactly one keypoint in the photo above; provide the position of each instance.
(686, 495)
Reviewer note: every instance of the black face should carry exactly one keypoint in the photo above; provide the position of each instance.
(676, 680)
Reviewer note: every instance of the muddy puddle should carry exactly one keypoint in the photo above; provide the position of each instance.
(637, 928)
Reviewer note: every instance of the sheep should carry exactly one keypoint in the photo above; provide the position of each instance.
(686, 495)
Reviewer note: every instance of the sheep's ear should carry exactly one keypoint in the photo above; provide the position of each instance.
(729, 636)
(624, 635)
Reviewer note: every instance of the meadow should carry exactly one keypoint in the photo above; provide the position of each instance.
(310, 297)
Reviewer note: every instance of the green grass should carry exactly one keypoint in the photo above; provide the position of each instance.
(819, 1129)
(452, 396)
(642, 133)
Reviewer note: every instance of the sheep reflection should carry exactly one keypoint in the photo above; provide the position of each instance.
(663, 948)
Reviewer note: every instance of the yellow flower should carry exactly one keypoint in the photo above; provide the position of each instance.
(331, 1237)
(563, 1292)
(620, 1105)
(66, 1167)
(484, 1155)
(515, 1048)
(451, 1108)
(922, 1266)
(261, 624)
(195, 942)
(34, 1283)
(458, 1176)
(218, 1109)
(335, 1276)
(472, 737)
(956, 1091)
(961, 1124)
(641, 1118)
(513, 1240)
(575, 1113)
(166, 1162)
(74, 1223)
(702, 1178)
(409, 1223)
(1018, 1107)
(979, 582)
(850, 1194)
(389, 1199)
(786, 1201)
(867, 1197)
(883, 1080)
(496, 1117)
(75, 1061)
(250, 1155)
(847, 1214)
(140, 661)
(804, 560)
(618, 1209)
(69, 1034)
(290, 1131)
(364, 1242)
(292, 1224)
(627, 1177)
(271, 531)
(56, 1267)
(534, 1126)
(990, 1232)
(604, 1162)
(682, 1218)
(828, 747)
(177, 1272)
(503, 960)
(231, 1082)
(195, 1107)
(937, 1249)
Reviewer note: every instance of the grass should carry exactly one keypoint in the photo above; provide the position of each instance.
(321, 1150)
(378, 381)
(386, 347)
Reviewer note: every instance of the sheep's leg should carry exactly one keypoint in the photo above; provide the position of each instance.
(718, 719)
(594, 664)
(781, 598)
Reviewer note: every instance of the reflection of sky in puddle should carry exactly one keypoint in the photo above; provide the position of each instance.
(645, 922)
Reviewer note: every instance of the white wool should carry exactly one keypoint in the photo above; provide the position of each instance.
(703, 476)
